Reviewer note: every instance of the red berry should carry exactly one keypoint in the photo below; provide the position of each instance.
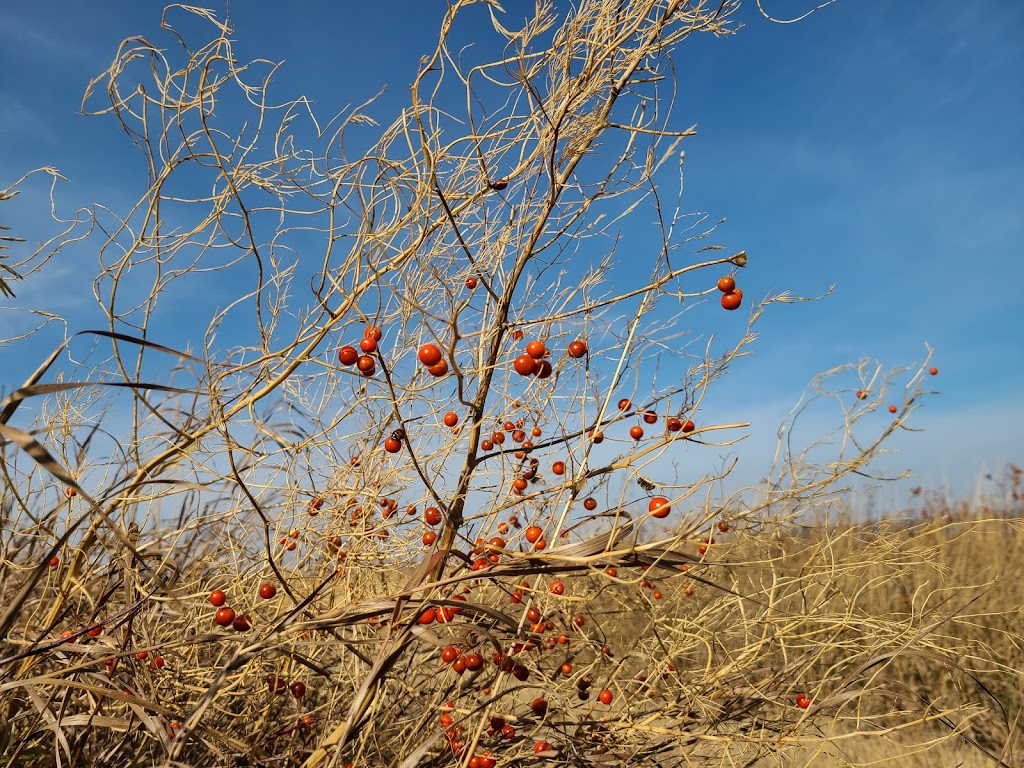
(348, 355)
(366, 365)
(658, 507)
(536, 349)
(525, 365)
(732, 300)
(577, 349)
(429, 355)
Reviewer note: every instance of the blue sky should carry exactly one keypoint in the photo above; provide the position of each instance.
(874, 147)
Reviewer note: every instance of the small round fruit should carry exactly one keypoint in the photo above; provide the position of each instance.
(348, 355)
(391, 445)
(689, 426)
(659, 507)
(933, 371)
(225, 617)
(590, 503)
(606, 697)
(298, 689)
(636, 432)
(525, 365)
(650, 417)
(673, 424)
(535, 349)
(577, 349)
(862, 395)
(428, 616)
(373, 332)
(471, 282)
(543, 370)
(558, 468)
(498, 184)
(803, 701)
(893, 409)
(625, 404)
(723, 526)
(732, 300)
(267, 591)
(429, 537)
(429, 354)
(366, 365)
(276, 684)
(70, 492)
(449, 654)
(54, 561)
(474, 662)
(541, 746)
(451, 419)
(486, 445)
(557, 587)
(432, 515)
(533, 534)
(368, 344)
(241, 624)
(726, 284)
(439, 370)
(596, 436)
(218, 598)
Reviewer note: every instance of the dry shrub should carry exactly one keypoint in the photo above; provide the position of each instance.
(156, 475)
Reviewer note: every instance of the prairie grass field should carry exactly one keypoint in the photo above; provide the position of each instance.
(905, 636)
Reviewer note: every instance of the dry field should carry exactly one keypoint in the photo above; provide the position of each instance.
(905, 638)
